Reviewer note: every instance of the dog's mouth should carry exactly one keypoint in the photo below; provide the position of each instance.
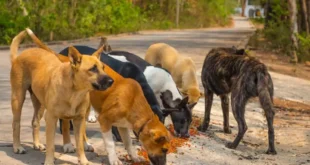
(103, 83)
(158, 160)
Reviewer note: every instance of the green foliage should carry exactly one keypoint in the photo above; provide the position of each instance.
(304, 47)
(71, 19)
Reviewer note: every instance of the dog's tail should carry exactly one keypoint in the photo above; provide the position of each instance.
(265, 91)
(38, 42)
(15, 44)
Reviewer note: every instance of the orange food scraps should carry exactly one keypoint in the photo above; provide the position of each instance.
(176, 143)
(142, 152)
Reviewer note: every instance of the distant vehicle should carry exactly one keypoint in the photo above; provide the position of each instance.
(253, 9)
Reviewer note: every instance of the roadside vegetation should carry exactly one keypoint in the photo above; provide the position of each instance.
(285, 29)
(72, 19)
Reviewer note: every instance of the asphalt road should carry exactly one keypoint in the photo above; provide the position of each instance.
(196, 44)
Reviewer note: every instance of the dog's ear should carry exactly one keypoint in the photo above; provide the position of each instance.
(191, 106)
(107, 48)
(183, 102)
(168, 111)
(157, 136)
(75, 57)
(183, 92)
(98, 52)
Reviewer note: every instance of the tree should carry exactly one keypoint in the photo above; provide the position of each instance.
(294, 29)
(304, 16)
(243, 5)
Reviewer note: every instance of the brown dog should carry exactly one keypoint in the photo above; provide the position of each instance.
(124, 105)
(61, 88)
(182, 69)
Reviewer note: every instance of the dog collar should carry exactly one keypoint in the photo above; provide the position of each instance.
(142, 127)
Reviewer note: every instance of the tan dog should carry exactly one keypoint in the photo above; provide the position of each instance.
(182, 69)
(61, 88)
(124, 105)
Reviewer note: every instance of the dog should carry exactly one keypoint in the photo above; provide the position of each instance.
(182, 69)
(165, 89)
(123, 105)
(61, 88)
(225, 71)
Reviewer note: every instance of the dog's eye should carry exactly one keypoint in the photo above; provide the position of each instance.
(94, 69)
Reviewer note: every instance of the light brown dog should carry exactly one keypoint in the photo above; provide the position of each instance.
(61, 88)
(124, 105)
(182, 69)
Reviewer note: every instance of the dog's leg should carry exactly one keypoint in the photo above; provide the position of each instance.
(225, 109)
(110, 148)
(91, 117)
(124, 132)
(68, 147)
(17, 101)
(51, 122)
(208, 104)
(265, 98)
(79, 130)
(87, 146)
(238, 102)
(116, 134)
(38, 114)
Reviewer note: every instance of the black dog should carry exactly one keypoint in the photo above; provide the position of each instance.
(129, 70)
(225, 71)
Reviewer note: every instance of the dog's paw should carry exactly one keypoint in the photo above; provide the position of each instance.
(203, 128)
(113, 159)
(137, 158)
(227, 130)
(39, 146)
(231, 145)
(19, 150)
(116, 162)
(69, 148)
(271, 152)
(83, 163)
(88, 147)
(49, 163)
(92, 119)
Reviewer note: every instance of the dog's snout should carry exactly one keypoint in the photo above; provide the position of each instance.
(104, 82)
(158, 160)
(186, 135)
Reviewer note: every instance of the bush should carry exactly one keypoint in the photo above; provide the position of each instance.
(63, 20)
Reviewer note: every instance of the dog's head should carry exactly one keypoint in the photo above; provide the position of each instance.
(87, 71)
(182, 118)
(155, 138)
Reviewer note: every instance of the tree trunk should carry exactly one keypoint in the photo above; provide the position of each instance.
(268, 11)
(308, 12)
(177, 13)
(243, 5)
(305, 16)
(294, 29)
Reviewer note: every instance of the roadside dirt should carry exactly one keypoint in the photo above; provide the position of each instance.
(281, 64)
